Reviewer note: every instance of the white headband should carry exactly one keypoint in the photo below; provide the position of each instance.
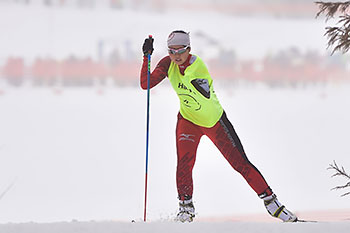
(179, 38)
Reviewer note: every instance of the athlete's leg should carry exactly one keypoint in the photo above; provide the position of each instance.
(187, 138)
(226, 140)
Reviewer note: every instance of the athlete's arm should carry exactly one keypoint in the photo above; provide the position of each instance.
(157, 75)
(202, 85)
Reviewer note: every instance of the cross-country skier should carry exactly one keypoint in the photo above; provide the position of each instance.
(201, 114)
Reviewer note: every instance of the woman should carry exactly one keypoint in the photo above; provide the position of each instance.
(201, 114)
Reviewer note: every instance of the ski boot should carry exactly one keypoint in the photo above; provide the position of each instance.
(186, 211)
(277, 210)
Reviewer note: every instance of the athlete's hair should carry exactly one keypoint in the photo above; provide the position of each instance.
(179, 31)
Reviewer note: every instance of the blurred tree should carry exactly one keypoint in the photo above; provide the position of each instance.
(340, 172)
(339, 37)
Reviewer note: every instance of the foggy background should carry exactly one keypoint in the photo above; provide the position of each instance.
(72, 114)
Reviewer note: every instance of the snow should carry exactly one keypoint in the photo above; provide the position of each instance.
(171, 227)
(80, 155)
(33, 31)
(76, 156)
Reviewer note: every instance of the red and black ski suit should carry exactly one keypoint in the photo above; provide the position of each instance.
(188, 135)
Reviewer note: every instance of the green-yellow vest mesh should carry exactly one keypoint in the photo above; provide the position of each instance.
(194, 106)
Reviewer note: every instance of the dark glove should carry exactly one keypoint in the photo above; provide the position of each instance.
(147, 47)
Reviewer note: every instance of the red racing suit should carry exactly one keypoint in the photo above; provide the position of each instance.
(188, 135)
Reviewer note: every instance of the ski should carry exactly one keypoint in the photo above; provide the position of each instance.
(303, 220)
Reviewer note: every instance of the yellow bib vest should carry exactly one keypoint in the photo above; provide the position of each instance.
(194, 106)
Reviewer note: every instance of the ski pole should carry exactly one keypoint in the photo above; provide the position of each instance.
(147, 128)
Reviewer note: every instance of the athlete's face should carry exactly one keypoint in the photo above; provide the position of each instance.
(179, 53)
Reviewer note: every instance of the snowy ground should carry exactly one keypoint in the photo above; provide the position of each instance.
(80, 155)
(75, 157)
(172, 227)
(38, 31)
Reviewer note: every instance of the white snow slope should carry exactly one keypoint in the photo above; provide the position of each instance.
(171, 227)
(80, 155)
